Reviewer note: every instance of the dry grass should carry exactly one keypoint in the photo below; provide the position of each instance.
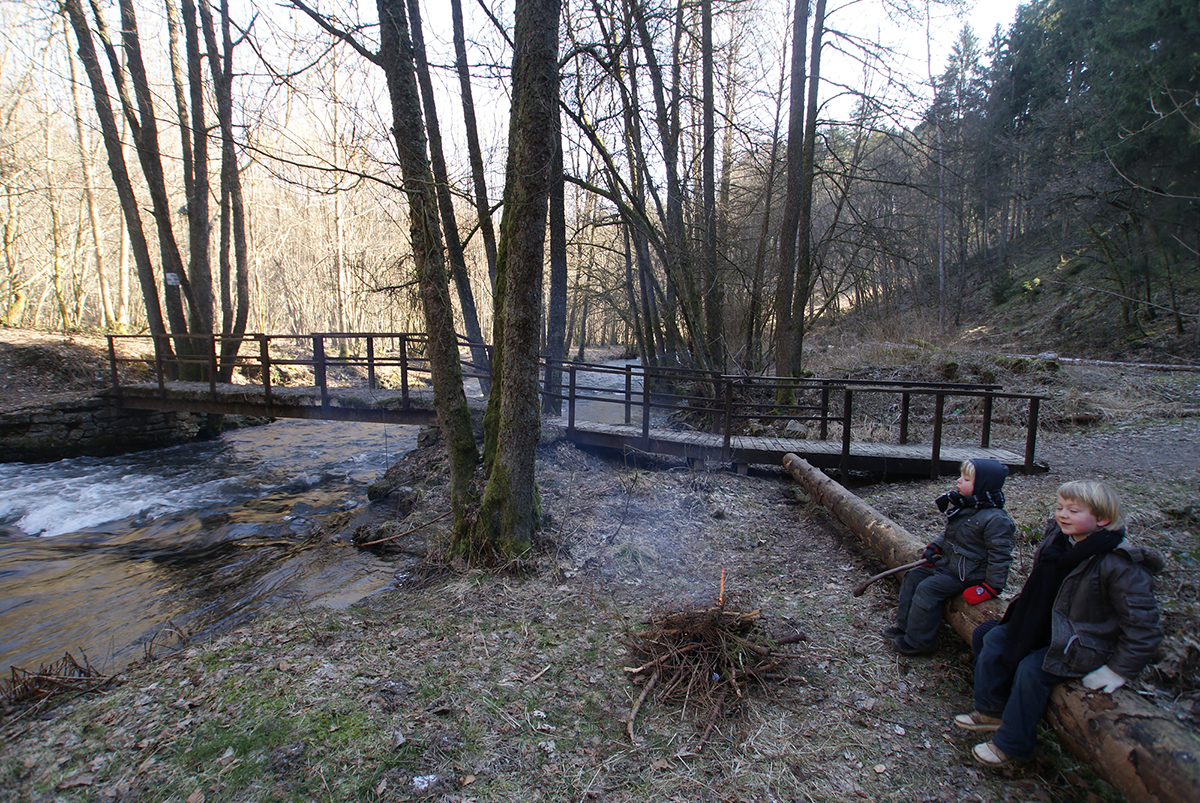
(482, 687)
(486, 687)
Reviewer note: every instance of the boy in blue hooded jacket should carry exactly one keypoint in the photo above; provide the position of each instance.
(970, 558)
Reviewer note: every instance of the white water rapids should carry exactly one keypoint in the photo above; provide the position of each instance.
(111, 556)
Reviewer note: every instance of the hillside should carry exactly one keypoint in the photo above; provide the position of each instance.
(490, 687)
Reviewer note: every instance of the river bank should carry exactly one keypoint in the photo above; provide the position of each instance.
(456, 685)
(489, 687)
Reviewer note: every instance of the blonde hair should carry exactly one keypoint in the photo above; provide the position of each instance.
(967, 469)
(1099, 497)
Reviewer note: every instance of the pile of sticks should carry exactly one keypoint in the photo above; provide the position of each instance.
(704, 658)
(64, 675)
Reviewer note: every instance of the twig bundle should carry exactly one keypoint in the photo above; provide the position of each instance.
(64, 675)
(703, 657)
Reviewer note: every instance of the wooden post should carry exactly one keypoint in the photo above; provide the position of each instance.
(112, 362)
(904, 400)
(212, 366)
(1139, 749)
(158, 365)
(847, 418)
(1031, 432)
(571, 400)
(404, 371)
(645, 414)
(371, 361)
(319, 367)
(985, 439)
(629, 392)
(727, 447)
(935, 459)
(264, 358)
(824, 412)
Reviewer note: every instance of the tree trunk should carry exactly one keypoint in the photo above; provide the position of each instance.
(556, 312)
(786, 283)
(130, 208)
(143, 123)
(454, 418)
(714, 291)
(474, 152)
(107, 317)
(1144, 753)
(458, 264)
(195, 159)
(508, 514)
(754, 327)
(235, 288)
(805, 260)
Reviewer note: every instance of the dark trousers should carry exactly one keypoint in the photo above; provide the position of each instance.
(1019, 699)
(919, 611)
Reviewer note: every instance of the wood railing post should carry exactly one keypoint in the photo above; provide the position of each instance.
(935, 458)
(112, 362)
(371, 362)
(904, 402)
(629, 392)
(571, 400)
(404, 371)
(985, 439)
(212, 365)
(645, 413)
(847, 418)
(264, 359)
(319, 367)
(158, 364)
(1031, 432)
(824, 412)
(727, 447)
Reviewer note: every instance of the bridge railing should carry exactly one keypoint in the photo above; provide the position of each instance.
(717, 403)
(726, 405)
(333, 359)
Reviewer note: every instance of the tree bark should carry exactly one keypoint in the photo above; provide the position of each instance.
(107, 317)
(130, 208)
(454, 418)
(454, 249)
(1144, 753)
(714, 291)
(235, 283)
(143, 124)
(475, 154)
(556, 310)
(805, 259)
(791, 205)
(508, 512)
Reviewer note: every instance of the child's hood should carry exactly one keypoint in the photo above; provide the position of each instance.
(989, 475)
(1150, 558)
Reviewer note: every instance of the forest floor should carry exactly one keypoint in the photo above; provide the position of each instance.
(459, 685)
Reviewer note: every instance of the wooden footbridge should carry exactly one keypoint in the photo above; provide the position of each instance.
(880, 427)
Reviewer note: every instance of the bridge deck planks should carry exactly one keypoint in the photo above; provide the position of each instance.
(386, 406)
(748, 450)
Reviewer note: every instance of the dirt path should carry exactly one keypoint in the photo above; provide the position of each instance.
(485, 687)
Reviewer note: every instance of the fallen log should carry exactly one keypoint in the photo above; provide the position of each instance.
(1145, 754)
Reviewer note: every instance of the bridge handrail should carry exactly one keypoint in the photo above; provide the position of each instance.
(710, 393)
(720, 403)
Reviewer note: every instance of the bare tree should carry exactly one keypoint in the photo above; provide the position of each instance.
(507, 515)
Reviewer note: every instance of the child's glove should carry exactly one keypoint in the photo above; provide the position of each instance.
(931, 554)
(980, 593)
(1103, 679)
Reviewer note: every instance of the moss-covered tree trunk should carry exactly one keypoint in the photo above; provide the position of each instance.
(508, 516)
(454, 419)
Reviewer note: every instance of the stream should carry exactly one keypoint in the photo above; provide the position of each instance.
(110, 558)
(104, 556)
